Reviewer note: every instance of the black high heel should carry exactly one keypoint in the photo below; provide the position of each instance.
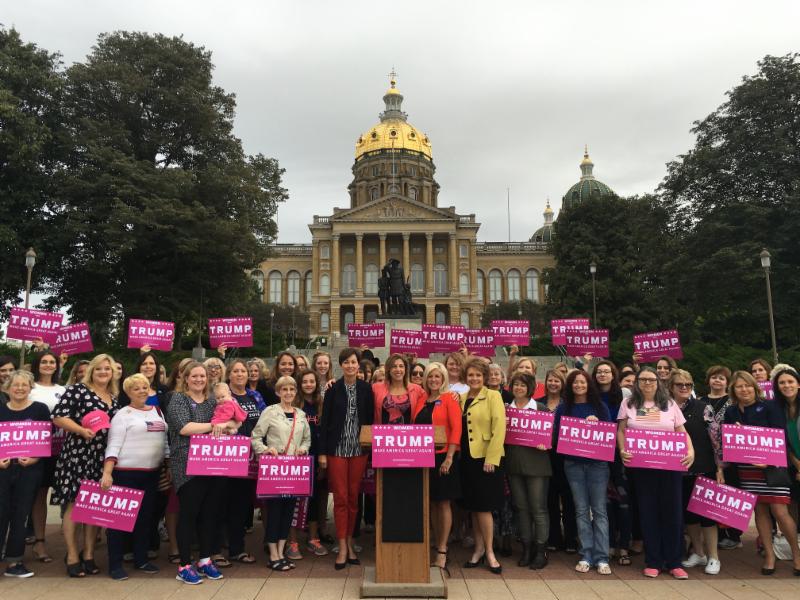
(89, 566)
(74, 570)
(472, 565)
(339, 566)
(496, 570)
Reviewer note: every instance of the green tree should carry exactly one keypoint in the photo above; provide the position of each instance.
(161, 212)
(628, 240)
(30, 127)
(736, 192)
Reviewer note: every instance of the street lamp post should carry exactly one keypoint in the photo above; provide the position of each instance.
(766, 260)
(271, 317)
(30, 261)
(593, 271)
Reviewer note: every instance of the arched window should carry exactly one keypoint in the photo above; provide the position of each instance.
(275, 287)
(293, 288)
(309, 287)
(417, 278)
(532, 285)
(324, 321)
(371, 280)
(465, 318)
(481, 297)
(347, 318)
(441, 317)
(495, 286)
(349, 279)
(324, 285)
(258, 277)
(440, 279)
(412, 193)
(373, 193)
(513, 286)
(463, 284)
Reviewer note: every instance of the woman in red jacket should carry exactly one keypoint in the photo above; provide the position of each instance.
(396, 399)
(442, 408)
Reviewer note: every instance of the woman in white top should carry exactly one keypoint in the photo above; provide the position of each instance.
(46, 389)
(137, 446)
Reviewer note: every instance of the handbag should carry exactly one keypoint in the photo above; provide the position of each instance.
(778, 477)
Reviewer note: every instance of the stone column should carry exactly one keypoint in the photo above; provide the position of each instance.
(429, 264)
(473, 270)
(382, 250)
(406, 253)
(359, 313)
(359, 265)
(285, 289)
(335, 274)
(453, 265)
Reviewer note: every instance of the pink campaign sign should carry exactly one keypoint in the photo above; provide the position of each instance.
(752, 445)
(655, 344)
(402, 341)
(656, 449)
(724, 504)
(368, 482)
(591, 341)
(285, 475)
(507, 333)
(30, 439)
(766, 387)
(402, 446)
(589, 439)
(224, 456)
(480, 342)
(74, 339)
(559, 327)
(116, 508)
(373, 335)
(442, 338)
(236, 332)
(157, 334)
(529, 427)
(27, 324)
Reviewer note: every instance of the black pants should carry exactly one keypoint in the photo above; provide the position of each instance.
(200, 499)
(237, 501)
(561, 508)
(661, 513)
(139, 538)
(18, 489)
(279, 519)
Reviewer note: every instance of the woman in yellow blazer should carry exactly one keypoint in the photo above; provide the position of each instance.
(482, 436)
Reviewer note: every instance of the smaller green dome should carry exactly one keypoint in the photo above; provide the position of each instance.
(588, 188)
(545, 232)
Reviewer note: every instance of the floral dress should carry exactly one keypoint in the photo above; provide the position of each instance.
(79, 459)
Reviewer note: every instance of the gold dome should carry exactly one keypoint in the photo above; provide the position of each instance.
(393, 131)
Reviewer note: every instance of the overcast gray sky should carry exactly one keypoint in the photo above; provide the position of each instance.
(509, 92)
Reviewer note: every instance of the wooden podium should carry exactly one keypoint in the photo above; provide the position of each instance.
(402, 533)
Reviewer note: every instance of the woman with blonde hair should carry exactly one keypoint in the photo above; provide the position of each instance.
(83, 453)
(441, 408)
(216, 371)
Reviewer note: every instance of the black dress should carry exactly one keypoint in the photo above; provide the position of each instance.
(480, 491)
(442, 487)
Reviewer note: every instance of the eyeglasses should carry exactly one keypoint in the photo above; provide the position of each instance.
(684, 385)
(648, 380)
(604, 372)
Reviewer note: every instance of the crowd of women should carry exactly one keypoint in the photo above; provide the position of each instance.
(483, 491)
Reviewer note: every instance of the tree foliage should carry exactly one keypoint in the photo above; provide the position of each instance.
(159, 212)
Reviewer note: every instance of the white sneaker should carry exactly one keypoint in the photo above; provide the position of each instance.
(713, 566)
(695, 560)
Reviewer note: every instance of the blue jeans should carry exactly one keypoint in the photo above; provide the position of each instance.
(588, 481)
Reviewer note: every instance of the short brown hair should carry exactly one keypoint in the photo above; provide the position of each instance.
(528, 380)
(475, 362)
(718, 370)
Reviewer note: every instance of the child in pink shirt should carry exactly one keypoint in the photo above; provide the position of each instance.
(227, 408)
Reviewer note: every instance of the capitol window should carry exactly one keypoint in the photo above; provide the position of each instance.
(480, 286)
(463, 251)
(463, 284)
(513, 286)
(258, 277)
(293, 288)
(275, 287)
(324, 321)
(371, 280)
(465, 318)
(495, 286)
(324, 251)
(440, 279)
(324, 285)
(373, 193)
(417, 278)
(532, 285)
(309, 287)
(375, 171)
(412, 193)
(348, 279)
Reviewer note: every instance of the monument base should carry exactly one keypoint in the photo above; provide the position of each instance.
(437, 588)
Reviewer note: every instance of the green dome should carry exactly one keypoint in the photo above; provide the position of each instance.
(588, 188)
(545, 232)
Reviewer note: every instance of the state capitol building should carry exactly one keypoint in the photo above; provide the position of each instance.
(394, 212)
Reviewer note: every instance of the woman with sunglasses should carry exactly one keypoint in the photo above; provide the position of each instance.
(658, 491)
(417, 373)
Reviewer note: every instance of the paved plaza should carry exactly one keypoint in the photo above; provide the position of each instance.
(316, 579)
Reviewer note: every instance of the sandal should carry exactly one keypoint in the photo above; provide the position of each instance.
(221, 561)
(444, 568)
(582, 566)
(244, 558)
(603, 568)
(174, 559)
(89, 566)
(74, 569)
(279, 565)
(43, 557)
(624, 559)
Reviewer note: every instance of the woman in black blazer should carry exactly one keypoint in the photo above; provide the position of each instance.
(348, 405)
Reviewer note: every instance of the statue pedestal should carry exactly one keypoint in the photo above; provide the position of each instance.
(413, 322)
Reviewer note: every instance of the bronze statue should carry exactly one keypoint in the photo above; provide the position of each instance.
(394, 291)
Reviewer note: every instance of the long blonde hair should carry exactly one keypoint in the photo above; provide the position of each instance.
(113, 385)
